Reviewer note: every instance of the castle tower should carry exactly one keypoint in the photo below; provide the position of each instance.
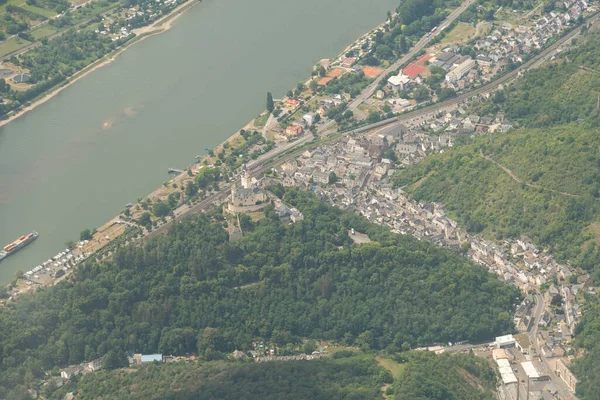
(246, 182)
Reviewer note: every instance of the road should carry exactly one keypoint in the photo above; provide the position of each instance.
(537, 314)
(420, 45)
(487, 88)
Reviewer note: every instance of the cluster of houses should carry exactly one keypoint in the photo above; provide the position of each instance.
(510, 44)
(72, 371)
(504, 44)
(314, 356)
(266, 353)
(135, 17)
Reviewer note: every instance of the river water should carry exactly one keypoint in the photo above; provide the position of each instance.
(75, 161)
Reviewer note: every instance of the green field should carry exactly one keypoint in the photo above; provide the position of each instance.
(10, 2)
(261, 120)
(90, 10)
(394, 367)
(44, 31)
(11, 45)
(460, 33)
(37, 10)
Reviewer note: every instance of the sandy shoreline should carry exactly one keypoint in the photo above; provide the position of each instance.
(162, 25)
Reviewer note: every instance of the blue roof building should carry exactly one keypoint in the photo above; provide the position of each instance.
(151, 358)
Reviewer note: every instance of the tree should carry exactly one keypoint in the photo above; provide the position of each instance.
(145, 220)
(270, 104)
(373, 117)
(384, 52)
(85, 234)
(421, 94)
(191, 190)
(499, 97)
(365, 340)
(160, 209)
(403, 45)
(114, 359)
(174, 200)
(332, 177)
(309, 346)
(209, 340)
(322, 71)
(446, 93)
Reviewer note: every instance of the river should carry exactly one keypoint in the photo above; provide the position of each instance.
(75, 161)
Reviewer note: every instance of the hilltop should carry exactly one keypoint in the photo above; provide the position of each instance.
(280, 284)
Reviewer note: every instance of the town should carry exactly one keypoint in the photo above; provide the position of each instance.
(354, 171)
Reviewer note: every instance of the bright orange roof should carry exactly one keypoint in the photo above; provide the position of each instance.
(414, 70)
(372, 72)
(334, 73)
(324, 81)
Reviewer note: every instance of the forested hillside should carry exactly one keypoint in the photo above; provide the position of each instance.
(445, 377)
(587, 369)
(550, 184)
(350, 376)
(281, 282)
(564, 91)
(542, 180)
(552, 196)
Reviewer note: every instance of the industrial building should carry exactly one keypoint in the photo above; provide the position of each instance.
(504, 341)
(460, 71)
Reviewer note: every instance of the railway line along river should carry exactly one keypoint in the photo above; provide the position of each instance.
(76, 160)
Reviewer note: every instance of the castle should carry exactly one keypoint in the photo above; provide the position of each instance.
(249, 197)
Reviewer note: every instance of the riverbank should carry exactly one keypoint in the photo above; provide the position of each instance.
(159, 26)
(231, 137)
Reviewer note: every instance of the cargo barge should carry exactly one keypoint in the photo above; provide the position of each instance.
(17, 245)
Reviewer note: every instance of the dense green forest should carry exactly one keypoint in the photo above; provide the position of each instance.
(423, 375)
(559, 210)
(280, 283)
(357, 377)
(587, 338)
(445, 377)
